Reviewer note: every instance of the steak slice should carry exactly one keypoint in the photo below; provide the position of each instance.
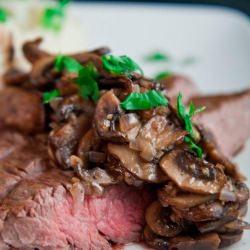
(227, 118)
(43, 208)
(177, 83)
(21, 109)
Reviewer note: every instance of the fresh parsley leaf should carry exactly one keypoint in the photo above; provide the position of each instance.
(157, 56)
(194, 147)
(3, 15)
(143, 101)
(87, 82)
(187, 118)
(66, 63)
(162, 75)
(86, 79)
(49, 96)
(120, 64)
(53, 17)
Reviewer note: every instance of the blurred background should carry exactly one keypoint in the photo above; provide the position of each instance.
(243, 5)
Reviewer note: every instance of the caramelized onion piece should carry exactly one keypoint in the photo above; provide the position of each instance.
(94, 180)
(191, 173)
(156, 135)
(158, 219)
(131, 161)
(104, 118)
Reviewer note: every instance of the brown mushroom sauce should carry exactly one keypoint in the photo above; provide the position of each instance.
(200, 201)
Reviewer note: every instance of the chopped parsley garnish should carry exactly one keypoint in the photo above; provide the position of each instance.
(67, 63)
(120, 64)
(49, 96)
(53, 17)
(3, 15)
(194, 147)
(143, 101)
(157, 57)
(87, 82)
(86, 79)
(162, 75)
(187, 119)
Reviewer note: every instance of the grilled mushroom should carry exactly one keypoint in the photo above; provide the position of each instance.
(158, 220)
(191, 173)
(230, 238)
(183, 200)
(154, 240)
(63, 140)
(32, 52)
(106, 113)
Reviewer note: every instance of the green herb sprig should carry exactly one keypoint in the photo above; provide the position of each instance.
(69, 64)
(162, 75)
(3, 15)
(87, 76)
(157, 56)
(120, 64)
(194, 147)
(187, 119)
(50, 95)
(144, 101)
(52, 17)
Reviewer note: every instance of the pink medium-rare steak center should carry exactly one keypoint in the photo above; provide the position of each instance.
(39, 211)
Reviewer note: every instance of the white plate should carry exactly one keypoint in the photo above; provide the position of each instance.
(219, 38)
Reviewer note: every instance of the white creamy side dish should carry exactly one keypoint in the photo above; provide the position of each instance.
(24, 23)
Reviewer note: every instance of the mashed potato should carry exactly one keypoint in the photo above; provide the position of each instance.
(24, 23)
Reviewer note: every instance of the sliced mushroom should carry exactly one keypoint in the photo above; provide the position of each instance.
(41, 73)
(208, 241)
(182, 201)
(154, 240)
(64, 107)
(234, 192)
(63, 141)
(112, 81)
(89, 142)
(230, 238)
(32, 52)
(101, 51)
(230, 212)
(237, 225)
(107, 110)
(156, 135)
(191, 173)
(158, 220)
(15, 77)
(204, 212)
(131, 161)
